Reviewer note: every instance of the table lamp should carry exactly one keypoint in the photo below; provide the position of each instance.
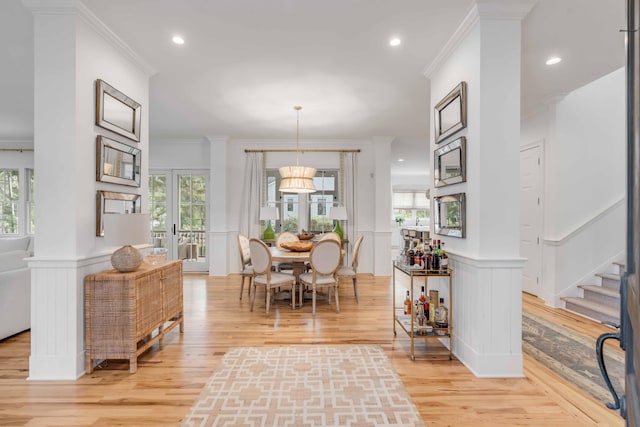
(338, 213)
(126, 230)
(267, 214)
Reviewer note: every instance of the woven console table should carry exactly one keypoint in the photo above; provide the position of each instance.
(126, 313)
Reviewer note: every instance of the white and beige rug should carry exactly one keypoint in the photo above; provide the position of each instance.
(304, 386)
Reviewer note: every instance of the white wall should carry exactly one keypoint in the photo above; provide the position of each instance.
(584, 173)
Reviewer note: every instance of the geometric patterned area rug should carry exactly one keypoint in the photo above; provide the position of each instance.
(572, 356)
(304, 386)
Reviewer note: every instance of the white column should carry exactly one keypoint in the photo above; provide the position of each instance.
(220, 242)
(382, 193)
(72, 49)
(487, 278)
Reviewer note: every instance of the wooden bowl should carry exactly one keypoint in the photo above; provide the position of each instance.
(306, 236)
(297, 246)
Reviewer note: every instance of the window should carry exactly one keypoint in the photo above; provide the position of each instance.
(304, 211)
(31, 205)
(158, 208)
(9, 201)
(411, 205)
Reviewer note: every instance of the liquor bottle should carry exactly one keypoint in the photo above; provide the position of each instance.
(407, 303)
(436, 257)
(433, 305)
(421, 319)
(410, 256)
(444, 260)
(422, 301)
(442, 315)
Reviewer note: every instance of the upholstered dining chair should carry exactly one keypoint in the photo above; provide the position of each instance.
(332, 236)
(261, 261)
(352, 272)
(285, 236)
(325, 259)
(246, 269)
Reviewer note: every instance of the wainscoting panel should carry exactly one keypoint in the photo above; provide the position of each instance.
(57, 316)
(487, 315)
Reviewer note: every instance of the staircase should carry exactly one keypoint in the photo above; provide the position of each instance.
(599, 302)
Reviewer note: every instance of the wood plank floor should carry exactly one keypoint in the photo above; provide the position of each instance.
(169, 380)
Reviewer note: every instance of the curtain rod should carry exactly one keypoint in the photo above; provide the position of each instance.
(19, 150)
(302, 151)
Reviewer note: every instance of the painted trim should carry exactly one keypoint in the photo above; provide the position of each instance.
(456, 39)
(508, 263)
(563, 240)
(105, 32)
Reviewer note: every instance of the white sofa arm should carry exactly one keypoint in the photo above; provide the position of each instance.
(13, 260)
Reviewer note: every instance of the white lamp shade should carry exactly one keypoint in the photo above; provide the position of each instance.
(126, 229)
(297, 179)
(338, 212)
(269, 213)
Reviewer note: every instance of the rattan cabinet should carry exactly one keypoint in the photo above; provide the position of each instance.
(126, 313)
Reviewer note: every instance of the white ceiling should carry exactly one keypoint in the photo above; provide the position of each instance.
(246, 63)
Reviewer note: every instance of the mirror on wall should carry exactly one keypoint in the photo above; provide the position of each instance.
(450, 163)
(449, 215)
(117, 163)
(111, 202)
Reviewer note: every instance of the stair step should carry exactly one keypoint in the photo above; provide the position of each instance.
(621, 266)
(607, 296)
(592, 309)
(610, 280)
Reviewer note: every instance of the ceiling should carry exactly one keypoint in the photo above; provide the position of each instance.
(246, 63)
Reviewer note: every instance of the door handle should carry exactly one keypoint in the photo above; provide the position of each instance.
(174, 229)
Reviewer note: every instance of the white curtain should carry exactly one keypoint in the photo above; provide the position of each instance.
(252, 195)
(349, 172)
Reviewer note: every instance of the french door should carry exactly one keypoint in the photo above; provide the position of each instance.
(179, 216)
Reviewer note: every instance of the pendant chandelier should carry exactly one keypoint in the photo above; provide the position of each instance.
(297, 179)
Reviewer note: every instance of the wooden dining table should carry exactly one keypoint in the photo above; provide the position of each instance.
(297, 260)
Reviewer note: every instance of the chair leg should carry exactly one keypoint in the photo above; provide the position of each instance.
(337, 302)
(242, 288)
(253, 300)
(268, 292)
(293, 295)
(249, 288)
(313, 299)
(355, 289)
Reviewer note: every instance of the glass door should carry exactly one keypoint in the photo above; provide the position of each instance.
(179, 215)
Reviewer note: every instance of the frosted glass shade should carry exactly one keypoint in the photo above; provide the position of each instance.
(297, 179)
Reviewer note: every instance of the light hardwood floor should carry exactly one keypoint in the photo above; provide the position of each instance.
(168, 380)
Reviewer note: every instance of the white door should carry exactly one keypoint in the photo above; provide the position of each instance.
(531, 217)
(179, 215)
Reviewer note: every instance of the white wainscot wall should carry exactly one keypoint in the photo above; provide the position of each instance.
(487, 315)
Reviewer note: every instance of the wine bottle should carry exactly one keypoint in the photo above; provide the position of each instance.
(442, 315)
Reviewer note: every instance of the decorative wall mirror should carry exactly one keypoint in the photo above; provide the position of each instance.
(450, 213)
(451, 113)
(450, 164)
(110, 202)
(117, 163)
(117, 112)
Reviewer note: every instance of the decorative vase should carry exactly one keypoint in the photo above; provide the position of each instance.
(269, 234)
(126, 259)
(338, 230)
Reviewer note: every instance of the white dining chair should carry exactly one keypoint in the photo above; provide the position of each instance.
(332, 236)
(325, 259)
(261, 261)
(284, 237)
(345, 272)
(245, 260)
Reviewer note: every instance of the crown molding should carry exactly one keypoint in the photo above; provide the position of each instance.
(481, 9)
(105, 32)
(74, 7)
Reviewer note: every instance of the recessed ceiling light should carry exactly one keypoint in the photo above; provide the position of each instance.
(395, 41)
(401, 160)
(177, 40)
(553, 60)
